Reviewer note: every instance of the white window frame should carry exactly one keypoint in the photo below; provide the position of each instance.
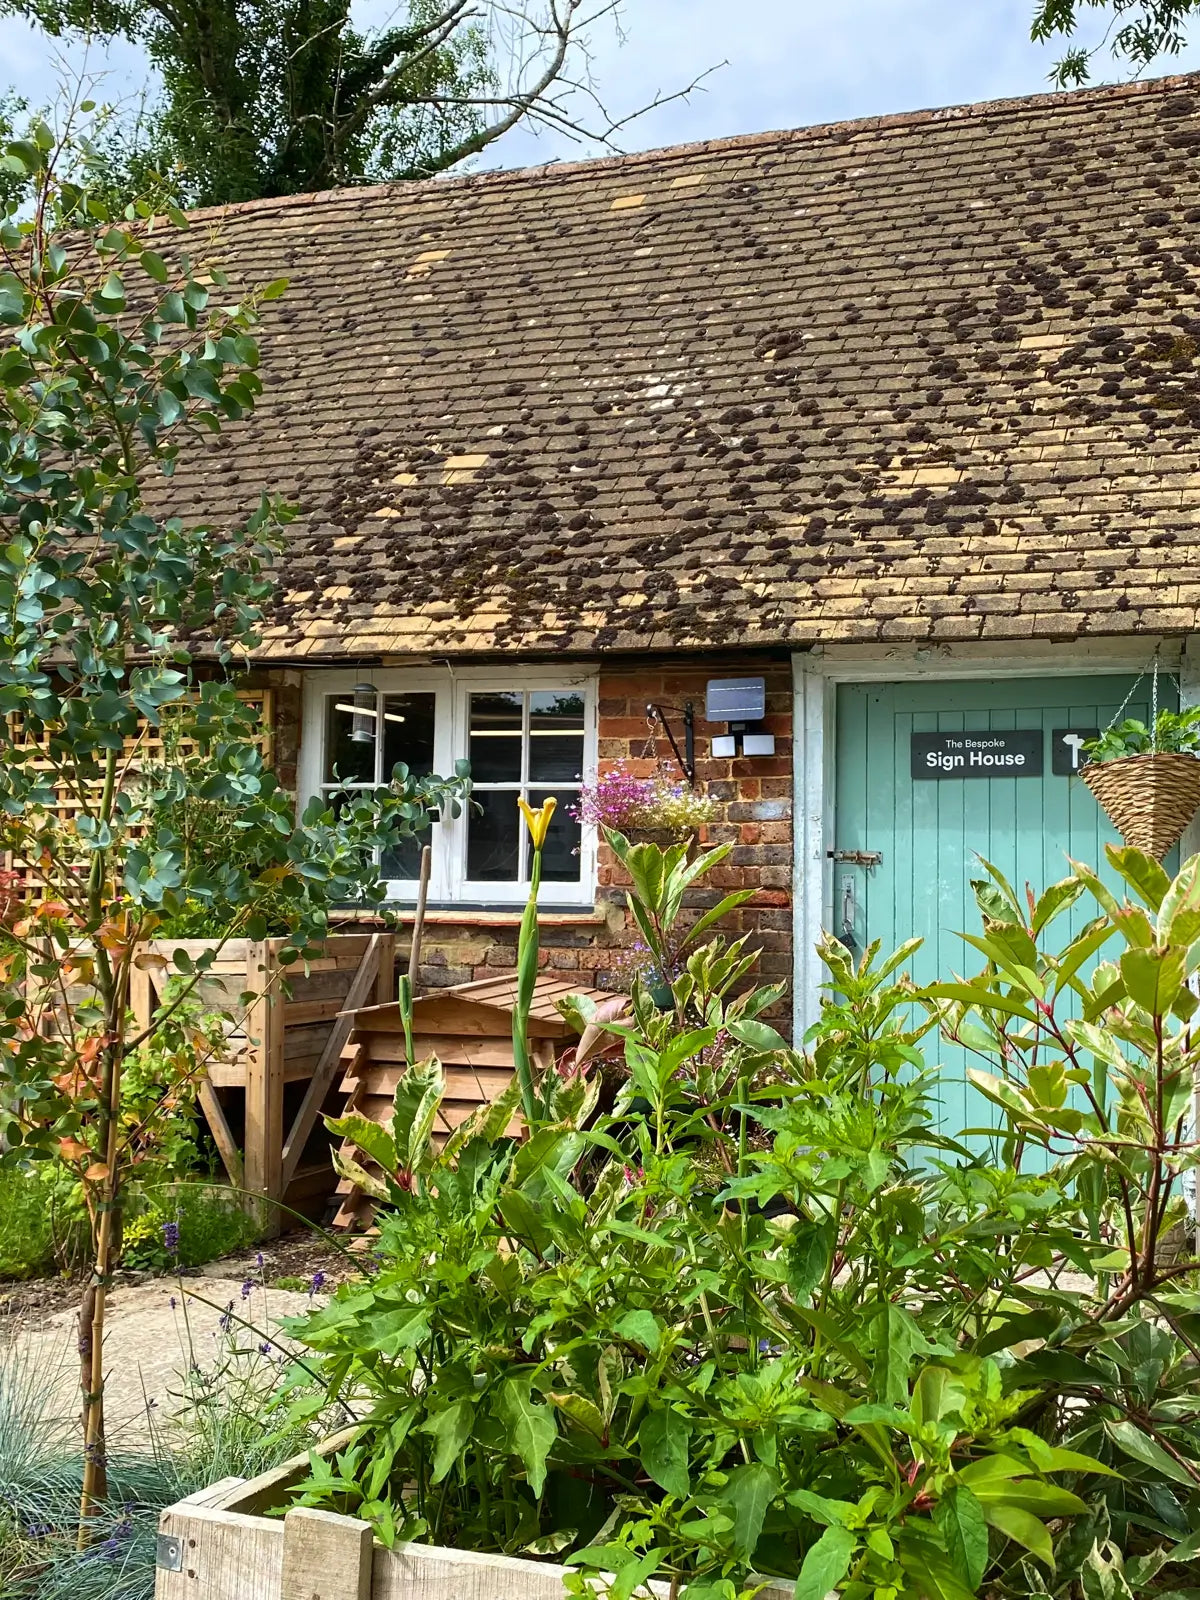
(452, 686)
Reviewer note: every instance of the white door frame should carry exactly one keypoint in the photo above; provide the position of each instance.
(815, 676)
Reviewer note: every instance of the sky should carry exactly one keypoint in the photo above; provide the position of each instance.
(775, 64)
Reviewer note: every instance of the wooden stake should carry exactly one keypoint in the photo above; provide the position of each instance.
(325, 1557)
(418, 930)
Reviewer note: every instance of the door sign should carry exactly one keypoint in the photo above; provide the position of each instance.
(1066, 749)
(1015, 753)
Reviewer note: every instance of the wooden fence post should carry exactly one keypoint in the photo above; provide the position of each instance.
(264, 1088)
(325, 1556)
(385, 984)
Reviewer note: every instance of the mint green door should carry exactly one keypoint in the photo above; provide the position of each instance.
(930, 830)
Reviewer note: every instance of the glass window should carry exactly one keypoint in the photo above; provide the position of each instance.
(524, 744)
(521, 743)
(359, 755)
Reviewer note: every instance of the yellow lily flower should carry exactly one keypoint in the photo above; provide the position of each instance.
(538, 821)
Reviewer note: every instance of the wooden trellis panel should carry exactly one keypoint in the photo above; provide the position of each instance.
(145, 748)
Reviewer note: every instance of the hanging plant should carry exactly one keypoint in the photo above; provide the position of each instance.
(659, 810)
(1147, 777)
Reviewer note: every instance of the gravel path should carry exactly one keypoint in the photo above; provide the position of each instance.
(154, 1333)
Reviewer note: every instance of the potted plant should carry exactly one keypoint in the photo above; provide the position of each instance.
(1147, 777)
(659, 810)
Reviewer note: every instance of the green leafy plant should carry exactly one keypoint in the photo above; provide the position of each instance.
(116, 354)
(1173, 732)
(763, 1320)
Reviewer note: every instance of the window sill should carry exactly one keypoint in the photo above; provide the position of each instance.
(479, 916)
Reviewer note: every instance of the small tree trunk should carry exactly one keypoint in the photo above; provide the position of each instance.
(91, 1344)
(107, 1241)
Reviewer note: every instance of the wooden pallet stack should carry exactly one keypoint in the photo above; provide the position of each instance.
(469, 1029)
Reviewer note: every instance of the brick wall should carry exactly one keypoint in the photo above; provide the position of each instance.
(755, 798)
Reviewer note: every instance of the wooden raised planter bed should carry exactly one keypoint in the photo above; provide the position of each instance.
(263, 1100)
(218, 1545)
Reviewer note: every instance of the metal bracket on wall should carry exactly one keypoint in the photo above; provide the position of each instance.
(686, 761)
(857, 858)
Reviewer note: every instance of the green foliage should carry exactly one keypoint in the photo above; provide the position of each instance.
(115, 354)
(277, 97)
(1139, 32)
(43, 1224)
(1174, 732)
(211, 1223)
(762, 1318)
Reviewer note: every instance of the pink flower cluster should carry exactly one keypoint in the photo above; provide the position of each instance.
(616, 800)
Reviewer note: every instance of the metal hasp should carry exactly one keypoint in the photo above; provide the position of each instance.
(857, 858)
(168, 1552)
(687, 761)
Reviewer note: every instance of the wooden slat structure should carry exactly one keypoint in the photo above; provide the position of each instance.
(285, 1054)
(147, 748)
(221, 1544)
(469, 1029)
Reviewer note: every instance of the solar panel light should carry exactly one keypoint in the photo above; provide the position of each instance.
(741, 703)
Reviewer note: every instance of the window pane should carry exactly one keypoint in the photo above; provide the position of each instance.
(555, 710)
(493, 837)
(496, 738)
(408, 729)
(556, 760)
(560, 853)
(345, 758)
(403, 861)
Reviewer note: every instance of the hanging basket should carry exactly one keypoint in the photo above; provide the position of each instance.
(1149, 799)
(664, 838)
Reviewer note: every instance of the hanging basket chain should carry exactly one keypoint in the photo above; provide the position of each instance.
(1150, 798)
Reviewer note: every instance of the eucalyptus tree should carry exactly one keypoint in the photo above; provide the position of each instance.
(125, 613)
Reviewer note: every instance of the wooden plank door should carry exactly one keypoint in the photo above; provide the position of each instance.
(929, 832)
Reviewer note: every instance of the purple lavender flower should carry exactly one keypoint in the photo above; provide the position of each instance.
(259, 1262)
(247, 1288)
(227, 1318)
(317, 1284)
(264, 1349)
(170, 1235)
(173, 1302)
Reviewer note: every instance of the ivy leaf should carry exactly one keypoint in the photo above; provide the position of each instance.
(748, 1494)
(663, 1442)
(825, 1564)
(532, 1428)
(960, 1521)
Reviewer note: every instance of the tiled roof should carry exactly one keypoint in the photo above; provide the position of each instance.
(920, 377)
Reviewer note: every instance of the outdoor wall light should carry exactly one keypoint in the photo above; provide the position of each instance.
(741, 704)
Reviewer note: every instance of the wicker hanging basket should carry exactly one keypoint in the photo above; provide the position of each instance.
(664, 838)
(1149, 799)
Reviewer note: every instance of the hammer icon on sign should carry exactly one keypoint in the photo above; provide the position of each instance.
(1074, 743)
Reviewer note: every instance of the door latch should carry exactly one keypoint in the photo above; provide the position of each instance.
(857, 858)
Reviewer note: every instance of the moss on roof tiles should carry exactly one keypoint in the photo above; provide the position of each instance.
(913, 377)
